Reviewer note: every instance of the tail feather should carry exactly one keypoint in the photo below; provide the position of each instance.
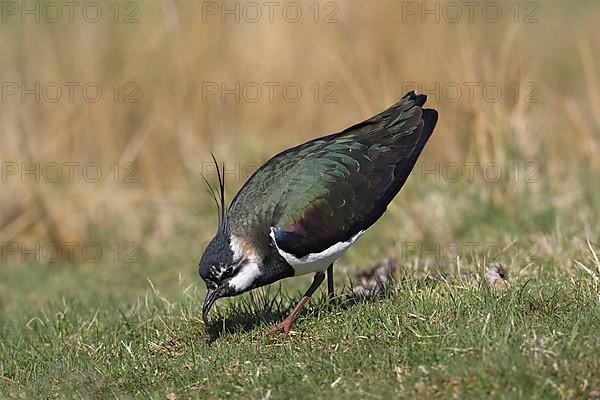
(429, 118)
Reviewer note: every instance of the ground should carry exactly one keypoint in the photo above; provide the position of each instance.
(419, 340)
(115, 330)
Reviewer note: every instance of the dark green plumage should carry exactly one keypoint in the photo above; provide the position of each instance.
(304, 208)
(325, 191)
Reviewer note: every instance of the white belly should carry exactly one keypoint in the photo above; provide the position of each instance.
(315, 262)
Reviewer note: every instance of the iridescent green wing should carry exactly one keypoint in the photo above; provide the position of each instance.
(325, 191)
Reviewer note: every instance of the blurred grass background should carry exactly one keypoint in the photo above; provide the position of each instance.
(129, 324)
(370, 53)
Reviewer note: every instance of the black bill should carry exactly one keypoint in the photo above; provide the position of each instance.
(211, 296)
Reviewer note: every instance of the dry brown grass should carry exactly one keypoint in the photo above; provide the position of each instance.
(369, 54)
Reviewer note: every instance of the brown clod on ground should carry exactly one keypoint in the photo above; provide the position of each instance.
(374, 280)
(594, 394)
(496, 278)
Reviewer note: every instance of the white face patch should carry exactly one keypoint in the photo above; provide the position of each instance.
(248, 272)
(249, 269)
(242, 249)
(236, 246)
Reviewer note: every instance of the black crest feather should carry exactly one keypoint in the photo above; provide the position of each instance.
(219, 198)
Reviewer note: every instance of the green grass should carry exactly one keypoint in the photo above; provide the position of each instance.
(421, 339)
(115, 330)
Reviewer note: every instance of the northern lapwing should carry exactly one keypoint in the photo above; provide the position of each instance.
(300, 211)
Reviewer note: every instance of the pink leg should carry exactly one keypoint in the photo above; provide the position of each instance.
(286, 324)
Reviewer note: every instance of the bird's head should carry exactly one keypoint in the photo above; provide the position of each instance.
(228, 267)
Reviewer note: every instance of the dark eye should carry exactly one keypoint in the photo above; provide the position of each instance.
(211, 285)
(229, 271)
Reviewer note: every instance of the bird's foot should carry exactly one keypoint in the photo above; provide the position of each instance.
(333, 304)
(285, 325)
(334, 299)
